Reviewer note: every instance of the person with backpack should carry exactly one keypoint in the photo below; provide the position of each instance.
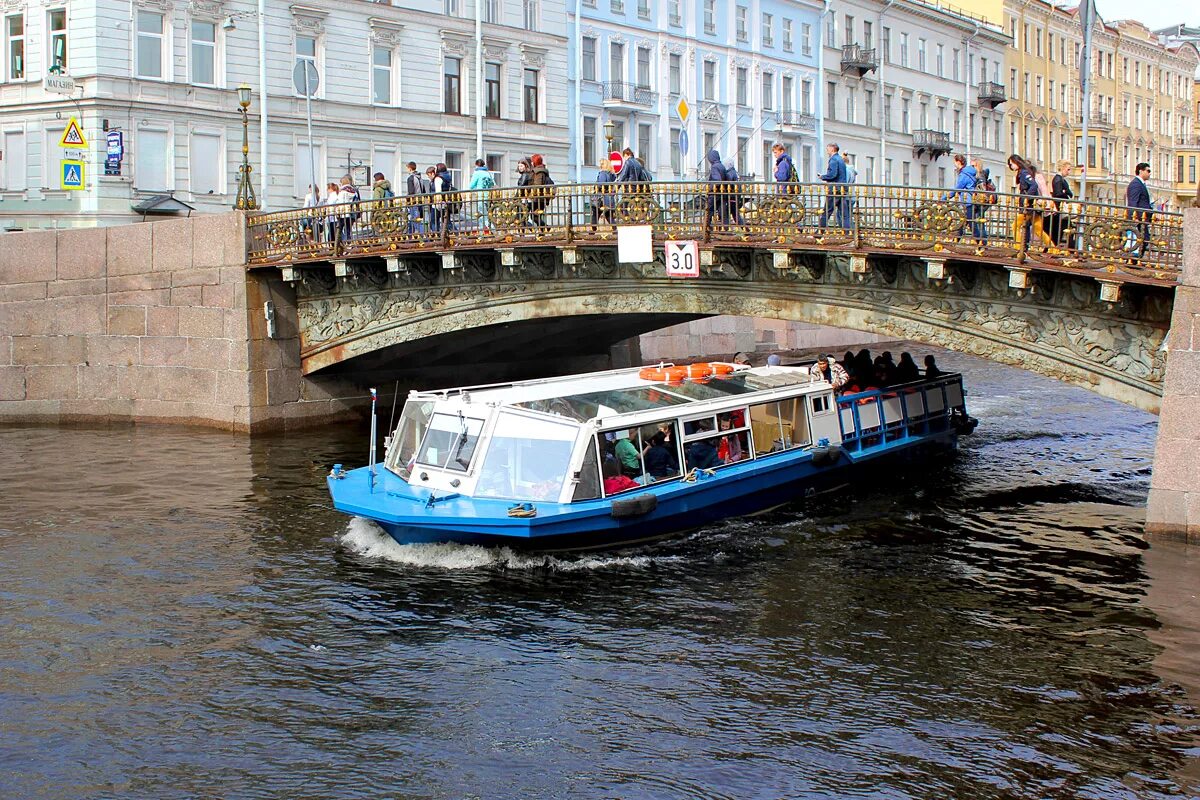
(717, 201)
(982, 200)
(735, 193)
(480, 186)
(543, 190)
(964, 189)
(1060, 190)
(348, 198)
(381, 187)
(447, 204)
(415, 187)
(1030, 210)
(785, 170)
(836, 201)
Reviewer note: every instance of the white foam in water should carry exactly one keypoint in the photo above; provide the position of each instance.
(369, 540)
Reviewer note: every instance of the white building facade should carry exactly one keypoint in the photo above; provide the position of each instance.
(399, 82)
(907, 84)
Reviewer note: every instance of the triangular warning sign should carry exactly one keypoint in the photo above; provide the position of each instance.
(73, 135)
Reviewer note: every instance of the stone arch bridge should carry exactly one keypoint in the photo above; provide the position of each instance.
(532, 279)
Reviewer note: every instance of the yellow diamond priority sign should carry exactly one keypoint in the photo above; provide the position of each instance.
(682, 109)
(73, 135)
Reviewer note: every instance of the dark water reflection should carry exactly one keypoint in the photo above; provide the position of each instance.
(183, 616)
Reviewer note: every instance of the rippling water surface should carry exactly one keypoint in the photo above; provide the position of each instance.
(183, 616)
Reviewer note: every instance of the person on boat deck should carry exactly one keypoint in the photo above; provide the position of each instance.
(742, 358)
(660, 460)
(827, 369)
(931, 368)
(615, 482)
(730, 448)
(906, 370)
(702, 455)
(774, 360)
(627, 455)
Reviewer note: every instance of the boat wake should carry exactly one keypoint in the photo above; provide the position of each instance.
(366, 539)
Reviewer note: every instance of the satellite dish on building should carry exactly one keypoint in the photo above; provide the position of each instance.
(305, 78)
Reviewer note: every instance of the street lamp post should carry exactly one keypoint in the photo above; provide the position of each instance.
(608, 133)
(245, 193)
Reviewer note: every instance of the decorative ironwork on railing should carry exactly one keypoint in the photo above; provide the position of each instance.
(992, 94)
(858, 59)
(621, 92)
(1113, 243)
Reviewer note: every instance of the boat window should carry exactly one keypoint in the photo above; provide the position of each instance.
(725, 446)
(777, 426)
(697, 427)
(639, 456)
(527, 458)
(588, 487)
(820, 403)
(450, 442)
(414, 419)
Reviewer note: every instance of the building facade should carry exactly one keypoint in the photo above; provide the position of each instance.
(906, 84)
(747, 69)
(155, 83)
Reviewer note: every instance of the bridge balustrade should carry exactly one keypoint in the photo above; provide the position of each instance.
(1113, 242)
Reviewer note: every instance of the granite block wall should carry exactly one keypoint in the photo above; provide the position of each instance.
(157, 321)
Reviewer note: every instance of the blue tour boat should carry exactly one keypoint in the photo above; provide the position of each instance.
(612, 458)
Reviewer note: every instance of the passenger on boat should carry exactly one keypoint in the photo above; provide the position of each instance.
(742, 358)
(906, 370)
(730, 448)
(660, 459)
(827, 369)
(614, 481)
(931, 368)
(627, 454)
(774, 360)
(702, 455)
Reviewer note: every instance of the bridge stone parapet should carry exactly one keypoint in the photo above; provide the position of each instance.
(1174, 504)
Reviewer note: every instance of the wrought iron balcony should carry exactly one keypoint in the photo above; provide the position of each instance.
(1192, 141)
(621, 93)
(931, 143)
(1099, 121)
(992, 94)
(858, 60)
(798, 121)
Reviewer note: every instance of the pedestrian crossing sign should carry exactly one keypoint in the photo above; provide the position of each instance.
(72, 175)
(73, 135)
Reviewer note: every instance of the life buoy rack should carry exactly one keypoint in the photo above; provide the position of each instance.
(663, 374)
(700, 371)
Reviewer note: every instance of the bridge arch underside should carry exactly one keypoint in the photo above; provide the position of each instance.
(1061, 329)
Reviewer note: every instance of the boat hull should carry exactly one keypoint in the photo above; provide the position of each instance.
(734, 491)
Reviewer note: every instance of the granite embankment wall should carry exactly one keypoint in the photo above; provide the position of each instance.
(1174, 504)
(152, 322)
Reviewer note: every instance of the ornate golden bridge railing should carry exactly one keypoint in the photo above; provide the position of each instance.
(1113, 242)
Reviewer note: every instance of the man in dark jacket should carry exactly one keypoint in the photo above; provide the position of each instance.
(1137, 198)
(415, 186)
(837, 178)
(718, 200)
(785, 171)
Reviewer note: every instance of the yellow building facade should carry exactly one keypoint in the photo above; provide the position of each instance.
(1142, 98)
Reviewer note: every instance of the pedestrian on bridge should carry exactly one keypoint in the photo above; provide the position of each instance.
(717, 201)
(604, 200)
(836, 200)
(480, 187)
(964, 190)
(1137, 198)
(414, 188)
(785, 170)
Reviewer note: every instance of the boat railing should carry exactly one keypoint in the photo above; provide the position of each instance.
(877, 417)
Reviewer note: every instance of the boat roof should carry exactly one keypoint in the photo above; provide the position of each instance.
(601, 394)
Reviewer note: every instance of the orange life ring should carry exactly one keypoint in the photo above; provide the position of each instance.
(700, 370)
(721, 369)
(661, 374)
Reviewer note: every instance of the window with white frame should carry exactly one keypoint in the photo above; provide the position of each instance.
(452, 85)
(786, 88)
(675, 12)
(309, 171)
(491, 11)
(741, 86)
(13, 177)
(740, 18)
(151, 45)
(675, 73)
(710, 79)
(676, 155)
(530, 95)
(831, 30)
(453, 8)
(805, 38)
(206, 162)
(921, 48)
(643, 67)
(151, 171)
(644, 151)
(589, 141)
(710, 16)
(306, 50)
(381, 75)
(589, 58)
(787, 35)
(768, 91)
(643, 9)
(768, 30)
(14, 34)
(533, 14)
(204, 53)
(491, 90)
(742, 154)
(904, 49)
(616, 61)
(56, 26)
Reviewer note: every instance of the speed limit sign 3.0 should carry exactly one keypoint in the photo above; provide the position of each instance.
(683, 260)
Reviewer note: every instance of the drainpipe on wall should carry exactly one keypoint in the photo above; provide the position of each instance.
(882, 90)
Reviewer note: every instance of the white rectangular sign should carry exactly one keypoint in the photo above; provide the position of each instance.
(635, 244)
(683, 260)
(59, 84)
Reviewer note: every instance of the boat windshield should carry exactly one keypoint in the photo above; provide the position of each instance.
(450, 442)
(527, 459)
(414, 419)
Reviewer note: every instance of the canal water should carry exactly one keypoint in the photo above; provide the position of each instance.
(183, 616)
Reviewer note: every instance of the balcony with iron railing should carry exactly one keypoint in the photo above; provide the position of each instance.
(1191, 142)
(618, 93)
(858, 60)
(992, 94)
(797, 121)
(927, 141)
(1099, 121)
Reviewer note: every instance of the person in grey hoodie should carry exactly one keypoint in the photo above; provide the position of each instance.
(718, 199)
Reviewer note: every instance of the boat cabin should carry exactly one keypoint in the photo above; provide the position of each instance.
(590, 436)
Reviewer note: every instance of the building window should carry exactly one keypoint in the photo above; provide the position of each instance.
(921, 55)
(768, 30)
(204, 53)
(786, 90)
(905, 115)
(616, 6)
(149, 45)
(453, 8)
(868, 41)
(452, 86)
(710, 80)
(940, 64)
(675, 12)
(206, 161)
(676, 158)
(806, 97)
(848, 31)
(742, 91)
(675, 73)
(743, 32)
(710, 16)
(533, 14)
(150, 170)
(904, 49)
(643, 149)
(643, 9)
(885, 41)
(768, 91)
(491, 93)
(56, 23)
(381, 76)
(831, 30)
(831, 99)
(743, 152)
(805, 38)
(309, 171)
(589, 141)
(14, 28)
(616, 61)
(589, 58)
(491, 11)
(787, 35)
(643, 67)
(306, 50)
(13, 165)
(529, 95)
